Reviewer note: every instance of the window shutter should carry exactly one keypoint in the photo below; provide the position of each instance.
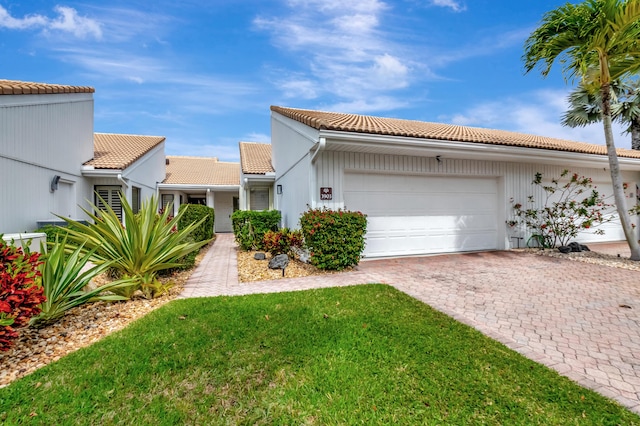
(110, 195)
(259, 199)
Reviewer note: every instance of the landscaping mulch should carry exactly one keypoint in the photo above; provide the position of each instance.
(80, 327)
(250, 269)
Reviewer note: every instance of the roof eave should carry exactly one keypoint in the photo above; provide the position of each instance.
(402, 145)
(91, 171)
(191, 187)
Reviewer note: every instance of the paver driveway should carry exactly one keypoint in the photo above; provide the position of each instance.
(580, 319)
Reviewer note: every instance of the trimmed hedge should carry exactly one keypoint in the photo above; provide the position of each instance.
(205, 231)
(194, 213)
(250, 226)
(335, 238)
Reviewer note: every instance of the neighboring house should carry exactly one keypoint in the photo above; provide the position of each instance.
(51, 163)
(426, 187)
(128, 164)
(257, 176)
(46, 134)
(200, 180)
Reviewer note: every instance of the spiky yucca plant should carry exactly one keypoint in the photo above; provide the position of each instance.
(64, 280)
(147, 243)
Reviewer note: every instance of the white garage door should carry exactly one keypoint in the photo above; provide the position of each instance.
(410, 215)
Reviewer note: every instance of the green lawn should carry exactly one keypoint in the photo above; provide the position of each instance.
(354, 355)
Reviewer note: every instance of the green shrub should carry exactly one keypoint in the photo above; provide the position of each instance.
(52, 231)
(149, 243)
(250, 226)
(64, 282)
(282, 241)
(20, 292)
(191, 213)
(335, 238)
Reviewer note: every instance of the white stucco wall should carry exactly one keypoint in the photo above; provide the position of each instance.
(514, 181)
(146, 172)
(290, 144)
(42, 136)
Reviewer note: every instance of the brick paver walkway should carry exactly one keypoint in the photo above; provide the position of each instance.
(580, 319)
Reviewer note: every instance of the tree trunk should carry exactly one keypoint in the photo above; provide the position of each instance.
(616, 178)
(635, 133)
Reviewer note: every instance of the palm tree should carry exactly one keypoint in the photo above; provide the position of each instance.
(585, 107)
(596, 41)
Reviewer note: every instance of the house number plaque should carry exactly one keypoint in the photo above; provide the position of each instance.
(326, 193)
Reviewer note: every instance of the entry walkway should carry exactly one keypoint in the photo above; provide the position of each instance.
(580, 319)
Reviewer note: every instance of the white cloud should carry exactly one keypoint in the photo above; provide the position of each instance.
(301, 89)
(456, 6)
(67, 21)
(537, 113)
(29, 21)
(348, 56)
(366, 106)
(256, 137)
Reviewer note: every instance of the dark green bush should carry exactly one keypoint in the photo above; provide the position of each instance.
(193, 213)
(250, 226)
(335, 238)
(53, 230)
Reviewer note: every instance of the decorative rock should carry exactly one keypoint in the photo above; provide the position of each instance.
(259, 256)
(301, 254)
(279, 262)
(584, 248)
(564, 249)
(575, 247)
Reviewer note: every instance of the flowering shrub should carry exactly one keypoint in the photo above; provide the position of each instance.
(572, 205)
(20, 292)
(282, 241)
(335, 238)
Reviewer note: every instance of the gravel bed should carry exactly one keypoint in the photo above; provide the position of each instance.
(590, 257)
(250, 269)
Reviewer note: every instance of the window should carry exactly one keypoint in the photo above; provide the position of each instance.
(259, 199)
(111, 196)
(166, 200)
(135, 199)
(197, 200)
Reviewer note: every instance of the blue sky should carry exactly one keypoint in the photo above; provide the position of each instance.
(204, 73)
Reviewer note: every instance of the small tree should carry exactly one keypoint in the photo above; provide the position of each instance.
(572, 205)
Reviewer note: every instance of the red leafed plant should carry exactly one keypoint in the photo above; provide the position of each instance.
(20, 292)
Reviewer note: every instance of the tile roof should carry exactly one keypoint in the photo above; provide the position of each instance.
(12, 87)
(201, 171)
(114, 151)
(354, 123)
(255, 158)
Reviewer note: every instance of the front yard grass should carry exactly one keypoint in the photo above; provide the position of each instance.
(353, 355)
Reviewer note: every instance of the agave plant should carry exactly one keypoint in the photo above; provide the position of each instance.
(147, 243)
(65, 279)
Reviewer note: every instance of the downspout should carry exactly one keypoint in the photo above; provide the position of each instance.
(313, 182)
(121, 179)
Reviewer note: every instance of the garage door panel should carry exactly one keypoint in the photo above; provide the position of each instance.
(421, 215)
